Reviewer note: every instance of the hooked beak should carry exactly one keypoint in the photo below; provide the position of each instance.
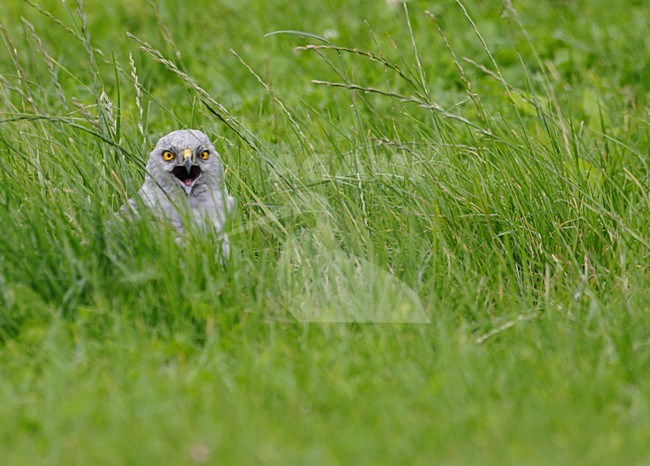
(187, 157)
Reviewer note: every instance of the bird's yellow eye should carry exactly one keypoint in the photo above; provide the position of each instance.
(204, 155)
(168, 155)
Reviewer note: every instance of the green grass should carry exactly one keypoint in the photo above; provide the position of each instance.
(468, 196)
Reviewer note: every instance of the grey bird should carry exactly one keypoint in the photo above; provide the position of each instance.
(184, 182)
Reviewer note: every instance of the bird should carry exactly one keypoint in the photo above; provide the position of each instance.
(184, 184)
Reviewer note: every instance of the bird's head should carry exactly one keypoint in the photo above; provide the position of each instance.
(184, 159)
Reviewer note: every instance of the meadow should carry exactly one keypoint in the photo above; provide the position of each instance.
(440, 251)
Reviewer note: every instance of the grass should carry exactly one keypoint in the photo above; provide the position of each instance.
(441, 245)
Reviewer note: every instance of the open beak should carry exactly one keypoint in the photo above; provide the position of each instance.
(187, 173)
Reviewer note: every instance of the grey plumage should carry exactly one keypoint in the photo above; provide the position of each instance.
(184, 182)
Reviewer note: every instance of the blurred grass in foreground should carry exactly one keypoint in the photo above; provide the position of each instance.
(481, 167)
